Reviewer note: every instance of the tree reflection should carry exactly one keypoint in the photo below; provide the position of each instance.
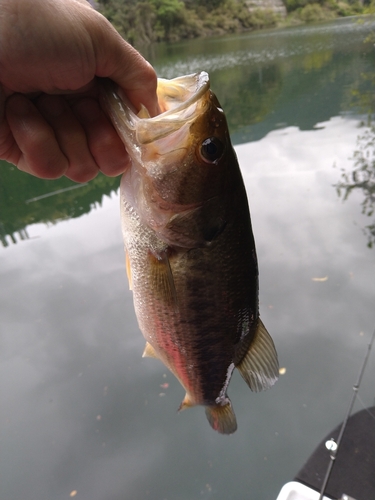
(362, 177)
(26, 200)
(263, 83)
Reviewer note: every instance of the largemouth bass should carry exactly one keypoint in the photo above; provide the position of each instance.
(190, 250)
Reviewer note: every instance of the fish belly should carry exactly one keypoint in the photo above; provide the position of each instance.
(196, 326)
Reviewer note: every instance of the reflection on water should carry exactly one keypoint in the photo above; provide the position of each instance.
(259, 49)
(362, 177)
(82, 412)
(26, 200)
(264, 81)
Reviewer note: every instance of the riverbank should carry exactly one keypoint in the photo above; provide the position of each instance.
(148, 21)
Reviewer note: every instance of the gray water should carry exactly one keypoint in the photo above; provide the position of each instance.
(82, 414)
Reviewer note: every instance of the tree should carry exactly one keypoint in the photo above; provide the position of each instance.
(169, 13)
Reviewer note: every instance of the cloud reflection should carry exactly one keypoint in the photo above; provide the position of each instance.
(71, 348)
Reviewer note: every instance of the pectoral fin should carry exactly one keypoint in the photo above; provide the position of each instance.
(149, 352)
(162, 278)
(260, 366)
(222, 418)
(128, 270)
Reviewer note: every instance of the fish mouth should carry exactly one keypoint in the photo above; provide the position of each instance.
(180, 100)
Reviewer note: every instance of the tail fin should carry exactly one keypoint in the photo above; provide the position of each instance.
(222, 418)
(260, 366)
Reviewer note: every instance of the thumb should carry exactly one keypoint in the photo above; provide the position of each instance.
(118, 60)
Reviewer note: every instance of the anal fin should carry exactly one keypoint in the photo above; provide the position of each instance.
(222, 418)
(260, 367)
(186, 403)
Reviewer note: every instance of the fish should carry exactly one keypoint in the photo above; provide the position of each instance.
(190, 252)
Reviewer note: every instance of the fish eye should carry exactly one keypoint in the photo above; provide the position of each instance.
(211, 150)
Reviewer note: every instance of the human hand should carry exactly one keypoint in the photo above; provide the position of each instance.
(51, 55)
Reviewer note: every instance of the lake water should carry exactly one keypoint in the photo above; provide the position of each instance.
(82, 414)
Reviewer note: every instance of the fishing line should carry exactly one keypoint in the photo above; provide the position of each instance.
(58, 191)
(334, 450)
(364, 406)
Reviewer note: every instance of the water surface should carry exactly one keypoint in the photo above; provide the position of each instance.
(81, 412)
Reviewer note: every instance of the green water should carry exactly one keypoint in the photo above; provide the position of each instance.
(80, 409)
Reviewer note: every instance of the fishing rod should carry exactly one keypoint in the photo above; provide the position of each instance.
(332, 445)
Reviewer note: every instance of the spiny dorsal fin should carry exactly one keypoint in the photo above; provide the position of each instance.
(162, 278)
(149, 352)
(260, 366)
(222, 418)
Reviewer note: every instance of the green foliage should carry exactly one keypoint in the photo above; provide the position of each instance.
(145, 21)
(345, 8)
(172, 20)
(292, 5)
(312, 12)
(370, 8)
(134, 19)
(169, 14)
(318, 10)
(263, 19)
(207, 4)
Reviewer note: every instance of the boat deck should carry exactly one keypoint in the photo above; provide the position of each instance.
(353, 473)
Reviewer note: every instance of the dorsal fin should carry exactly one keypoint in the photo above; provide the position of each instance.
(260, 367)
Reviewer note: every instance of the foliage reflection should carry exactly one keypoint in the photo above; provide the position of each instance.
(298, 77)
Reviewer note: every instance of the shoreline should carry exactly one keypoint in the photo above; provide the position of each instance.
(143, 25)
